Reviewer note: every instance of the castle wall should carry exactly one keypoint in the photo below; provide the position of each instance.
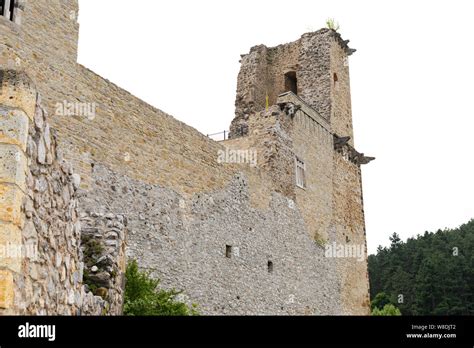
(182, 207)
(184, 243)
(341, 111)
(349, 221)
(124, 131)
(314, 73)
(313, 144)
(41, 265)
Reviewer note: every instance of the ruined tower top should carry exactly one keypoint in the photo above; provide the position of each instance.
(315, 67)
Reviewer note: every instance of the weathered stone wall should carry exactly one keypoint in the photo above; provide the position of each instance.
(184, 242)
(350, 224)
(312, 141)
(17, 107)
(40, 234)
(317, 58)
(140, 165)
(268, 135)
(341, 111)
(251, 89)
(103, 239)
(124, 132)
(331, 203)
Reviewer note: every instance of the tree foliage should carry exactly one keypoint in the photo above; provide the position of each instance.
(142, 296)
(387, 310)
(432, 274)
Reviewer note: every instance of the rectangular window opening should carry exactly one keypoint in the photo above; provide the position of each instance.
(291, 83)
(228, 251)
(336, 80)
(270, 267)
(300, 173)
(8, 8)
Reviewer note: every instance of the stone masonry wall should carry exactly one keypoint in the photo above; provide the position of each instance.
(39, 219)
(341, 111)
(136, 164)
(183, 241)
(349, 221)
(315, 58)
(124, 132)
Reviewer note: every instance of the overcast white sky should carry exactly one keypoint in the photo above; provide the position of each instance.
(411, 78)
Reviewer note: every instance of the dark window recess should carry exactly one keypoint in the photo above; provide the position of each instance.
(291, 84)
(270, 267)
(228, 251)
(8, 9)
(12, 9)
(335, 78)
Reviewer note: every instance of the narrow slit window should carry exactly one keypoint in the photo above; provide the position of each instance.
(7, 9)
(270, 266)
(300, 173)
(12, 10)
(228, 251)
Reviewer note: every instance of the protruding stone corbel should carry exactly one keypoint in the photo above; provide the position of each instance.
(340, 142)
(290, 109)
(366, 159)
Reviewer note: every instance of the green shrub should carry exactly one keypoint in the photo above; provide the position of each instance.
(388, 309)
(142, 296)
(380, 300)
(332, 24)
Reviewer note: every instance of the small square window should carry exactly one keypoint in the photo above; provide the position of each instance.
(300, 173)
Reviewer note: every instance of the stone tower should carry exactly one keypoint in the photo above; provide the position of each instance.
(308, 81)
(315, 68)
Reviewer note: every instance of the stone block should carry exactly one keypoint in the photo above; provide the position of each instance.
(11, 198)
(6, 289)
(13, 165)
(10, 247)
(13, 127)
(17, 91)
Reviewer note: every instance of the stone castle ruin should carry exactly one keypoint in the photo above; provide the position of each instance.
(91, 176)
